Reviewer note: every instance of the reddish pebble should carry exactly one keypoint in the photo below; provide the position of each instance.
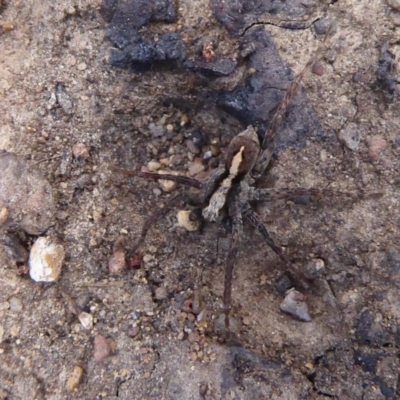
(79, 150)
(102, 348)
(117, 264)
(376, 144)
(135, 262)
(318, 68)
(133, 331)
(194, 337)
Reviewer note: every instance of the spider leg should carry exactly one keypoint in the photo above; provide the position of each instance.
(272, 194)
(235, 213)
(255, 220)
(184, 180)
(269, 141)
(212, 183)
(154, 218)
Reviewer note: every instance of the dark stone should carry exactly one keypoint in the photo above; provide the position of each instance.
(141, 54)
(367, 361)
(370, 332)
(393, 258)
(237, 15)
(386, 66)
(386, 390)
(322, 25)
(363, 326)
(215, 68)
(164, 11)
(199, 138)
(283, 284)
(126, 17)
(255, 101)
(130, 14)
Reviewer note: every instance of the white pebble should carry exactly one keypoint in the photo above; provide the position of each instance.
(207, 155)
(166, 185)
(153, 165)
(86, 320)
(185, 221)
(295, 305)
(45, 260)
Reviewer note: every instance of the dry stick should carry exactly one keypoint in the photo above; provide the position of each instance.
(269, 141)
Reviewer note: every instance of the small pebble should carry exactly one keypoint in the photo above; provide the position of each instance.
(175, 159)
(207, 155)
(153, 166)
(157, 192)
(81, 66)
(102, 348)
(79, 150)
(15, 304)
(295, 305)
(166, 185)
(195, 168)
(117, 263)
(314, 268)
(184, 120)
(192, 147)
(318, 68)
(75, 378)
(45, 260)
(160, 293)
(350, 136)
(185, 221)
(170, 128)
(133, 331)
(375, 145)
(194, 337)
(156, 130)
(321, 26)
(86, 320)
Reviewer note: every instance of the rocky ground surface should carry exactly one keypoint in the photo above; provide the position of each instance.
(164, 87)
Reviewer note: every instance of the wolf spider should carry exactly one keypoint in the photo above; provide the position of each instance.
(230, 190)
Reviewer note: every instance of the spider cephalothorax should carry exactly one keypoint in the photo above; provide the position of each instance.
(231, 189)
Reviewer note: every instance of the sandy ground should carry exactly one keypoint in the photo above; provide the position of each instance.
(69, 115)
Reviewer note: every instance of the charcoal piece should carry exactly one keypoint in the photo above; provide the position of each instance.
(213, 69)
(122, 37)
(367, 360)
(237, 15)
(255, 101)
(171, 47)
(164, 11)
(384, 79)
(127, 13)
(130, 14)
(140, 54)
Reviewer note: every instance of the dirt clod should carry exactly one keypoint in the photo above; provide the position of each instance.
(75, 378)
(27, 196)
(103, 348)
